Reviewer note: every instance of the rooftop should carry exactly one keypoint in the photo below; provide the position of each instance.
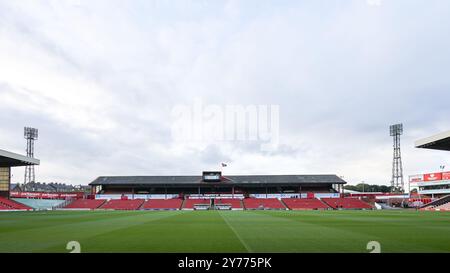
(9, 159)
(228, 179)
(437, 142)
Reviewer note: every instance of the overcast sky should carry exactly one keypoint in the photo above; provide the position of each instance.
(100, 80)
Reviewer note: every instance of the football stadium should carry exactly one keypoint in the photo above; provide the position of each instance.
(214, 212)
(185, 134)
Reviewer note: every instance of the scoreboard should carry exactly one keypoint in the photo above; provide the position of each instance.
(211, 176)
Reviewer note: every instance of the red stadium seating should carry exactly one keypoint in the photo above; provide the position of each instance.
(123, 204)
(304, 203)
(235, 203)
(346, 203)
(263, 203)
(85, 204)
(8, 204)
(156, 204)
(189, 203)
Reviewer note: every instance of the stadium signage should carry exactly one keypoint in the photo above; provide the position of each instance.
(446, 176)
(429, 177)
(47, 195)
(212, 176)
(432, 176)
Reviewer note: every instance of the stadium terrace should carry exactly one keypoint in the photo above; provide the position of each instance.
(213, 190)
(214, 183)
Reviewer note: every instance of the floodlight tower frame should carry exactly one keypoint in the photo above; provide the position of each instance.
(30, 134)
(397, 182)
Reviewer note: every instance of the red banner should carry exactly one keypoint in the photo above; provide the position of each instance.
(446, 176)
(47, 195)
(432, 176)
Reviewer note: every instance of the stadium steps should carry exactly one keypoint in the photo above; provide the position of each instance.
(324, 203)
(284, 204)
(242, 204)
(119, 204)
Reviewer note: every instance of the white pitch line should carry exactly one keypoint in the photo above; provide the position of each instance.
(237, 234)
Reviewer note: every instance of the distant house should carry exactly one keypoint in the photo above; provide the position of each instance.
(14, 187)
(49, 187)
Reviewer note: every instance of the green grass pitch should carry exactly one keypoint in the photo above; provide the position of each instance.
(225, 231)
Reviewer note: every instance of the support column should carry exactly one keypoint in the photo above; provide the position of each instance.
(5, 181)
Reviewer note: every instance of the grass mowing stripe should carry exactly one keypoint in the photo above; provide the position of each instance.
(191, 231)
(16, 221)
(225, 231)
(397, 234)
(86, 239)
(56, 236)
(247, 247)
(266, 233)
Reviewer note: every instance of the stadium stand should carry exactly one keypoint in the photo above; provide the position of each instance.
(162, 204)
(190, 203)
(440, 204)
(304, 203)
(7, 204)
(346, 203)
(123, 204)
(263, 203)
(235, 203)
(85, 204)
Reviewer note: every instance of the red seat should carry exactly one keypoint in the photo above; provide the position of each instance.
(346, 203)
(123, 204)
(263, 203)
(154, 204)
(8, 204)
(85, 204)
(304, 203)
